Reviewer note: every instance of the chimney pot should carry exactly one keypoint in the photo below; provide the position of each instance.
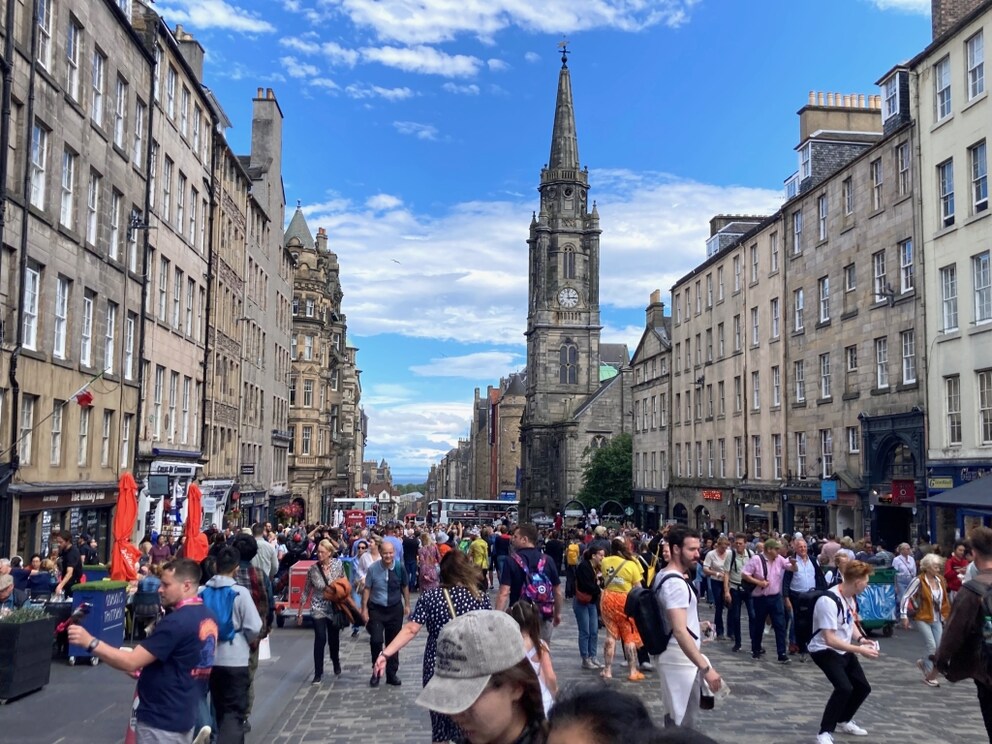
(812, 98)
(861, 100)
(260, 92)
(819, 98)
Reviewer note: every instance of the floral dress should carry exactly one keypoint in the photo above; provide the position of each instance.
(433, 612)
(428, 562)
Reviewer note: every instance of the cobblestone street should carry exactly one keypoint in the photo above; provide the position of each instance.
(769, 702)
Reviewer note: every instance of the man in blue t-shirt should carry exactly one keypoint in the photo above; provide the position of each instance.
(178, 652)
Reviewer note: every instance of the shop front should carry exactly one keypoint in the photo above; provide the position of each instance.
(81, 510)
(805, 511)
(760, 509)
(254, 507)
(954, 510)
(650, 506)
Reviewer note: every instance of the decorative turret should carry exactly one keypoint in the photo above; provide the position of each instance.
(299, 230)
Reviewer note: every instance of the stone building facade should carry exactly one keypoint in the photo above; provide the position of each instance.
(71, 269)
(320, 449)
(950, 88)
(507, 412)
(651, 391)
(267, 325)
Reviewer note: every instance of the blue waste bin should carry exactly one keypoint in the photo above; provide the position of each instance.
(106, 618)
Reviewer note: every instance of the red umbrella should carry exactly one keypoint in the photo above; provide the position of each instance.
(125, 555)
(196, 542)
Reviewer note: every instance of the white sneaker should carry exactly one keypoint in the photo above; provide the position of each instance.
(850, 727)
(587, 664)
(596, 663)
(647, 666)
(825, 738)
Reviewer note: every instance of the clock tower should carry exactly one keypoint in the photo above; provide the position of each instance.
(563, 350)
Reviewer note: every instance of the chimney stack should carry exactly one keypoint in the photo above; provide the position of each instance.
(945, 14)
(655, 314)
(191, 50)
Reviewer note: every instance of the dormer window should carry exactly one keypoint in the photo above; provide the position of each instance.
(890, 98)
(805, 167)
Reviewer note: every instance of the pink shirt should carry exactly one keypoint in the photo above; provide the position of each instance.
(776, 569)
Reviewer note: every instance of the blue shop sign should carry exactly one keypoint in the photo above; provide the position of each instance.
(828, 490)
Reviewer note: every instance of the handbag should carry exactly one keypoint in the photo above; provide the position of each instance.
(582, 597)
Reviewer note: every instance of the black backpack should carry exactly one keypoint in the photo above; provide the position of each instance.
(643, 607)
(803, 605)
(748, 587)
(985, 610)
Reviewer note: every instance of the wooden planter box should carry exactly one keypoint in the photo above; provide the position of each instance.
(25, 657)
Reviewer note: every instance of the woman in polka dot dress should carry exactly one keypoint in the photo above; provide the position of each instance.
(458, 593)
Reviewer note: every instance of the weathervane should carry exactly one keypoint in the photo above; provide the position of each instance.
(563, 45)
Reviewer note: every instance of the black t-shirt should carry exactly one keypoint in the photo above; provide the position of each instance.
(411, 546)
(555, 550)
(70, 558)
(170, 688)
(514, 577)
(501, 546)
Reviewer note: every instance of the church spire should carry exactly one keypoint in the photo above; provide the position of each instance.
(564, 142)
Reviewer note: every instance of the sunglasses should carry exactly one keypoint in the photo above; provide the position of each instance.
(363, 547)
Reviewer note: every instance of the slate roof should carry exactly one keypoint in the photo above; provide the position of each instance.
(616, 355)
(298, 229)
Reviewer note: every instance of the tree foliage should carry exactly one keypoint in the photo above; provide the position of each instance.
(608, 473)
(411, 487)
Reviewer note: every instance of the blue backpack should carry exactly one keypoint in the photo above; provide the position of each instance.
(220, 601)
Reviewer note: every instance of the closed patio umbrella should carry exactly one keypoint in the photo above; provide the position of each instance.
(125, 555)
(195, 546)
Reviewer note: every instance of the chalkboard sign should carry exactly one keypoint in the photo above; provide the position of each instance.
(46, 532)
(75, 519)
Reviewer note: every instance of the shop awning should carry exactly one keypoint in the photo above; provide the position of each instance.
(976, 493)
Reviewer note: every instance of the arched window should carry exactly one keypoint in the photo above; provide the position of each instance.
(568, 259)
(598, 442)
(568, 363)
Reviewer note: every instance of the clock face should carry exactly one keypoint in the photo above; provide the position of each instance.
(568, 297)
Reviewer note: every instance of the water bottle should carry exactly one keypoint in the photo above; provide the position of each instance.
(987, 629)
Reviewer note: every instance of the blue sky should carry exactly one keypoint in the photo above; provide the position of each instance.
(415, 132)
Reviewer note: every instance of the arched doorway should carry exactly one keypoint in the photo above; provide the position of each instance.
(574, 512)
(680, 514)
(611, 513)
(702, 515)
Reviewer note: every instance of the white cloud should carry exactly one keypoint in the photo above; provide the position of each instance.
(360, 91)
(415, 434)
(423, 59)
(322, 82)
(296, 69)
(497, 65)
(532, 57)
(338, 54)
(293, 6)
(466, 270)
(382, 202)
(909, 6)
(480, 365)
(213, 14)
(420, 131)
(434, 21)
(466, 90)
(300, 45)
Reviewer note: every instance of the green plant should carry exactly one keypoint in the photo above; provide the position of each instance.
(25, 615)
(101, 586)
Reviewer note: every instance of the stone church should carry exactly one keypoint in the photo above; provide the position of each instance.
(578, 390)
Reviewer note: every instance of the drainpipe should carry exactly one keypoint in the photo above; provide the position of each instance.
(6, 474)
(134, 224)
(210, 292)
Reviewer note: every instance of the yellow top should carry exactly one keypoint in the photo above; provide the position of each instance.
(478, 552)
(621, 574)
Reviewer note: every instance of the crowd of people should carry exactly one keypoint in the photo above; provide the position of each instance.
(491, 599)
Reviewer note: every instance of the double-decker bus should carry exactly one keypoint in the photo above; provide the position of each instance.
(354, 512)
(472, 511)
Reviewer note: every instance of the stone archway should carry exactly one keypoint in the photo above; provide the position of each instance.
(574, 512)
(680, 514)
(611, 511)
